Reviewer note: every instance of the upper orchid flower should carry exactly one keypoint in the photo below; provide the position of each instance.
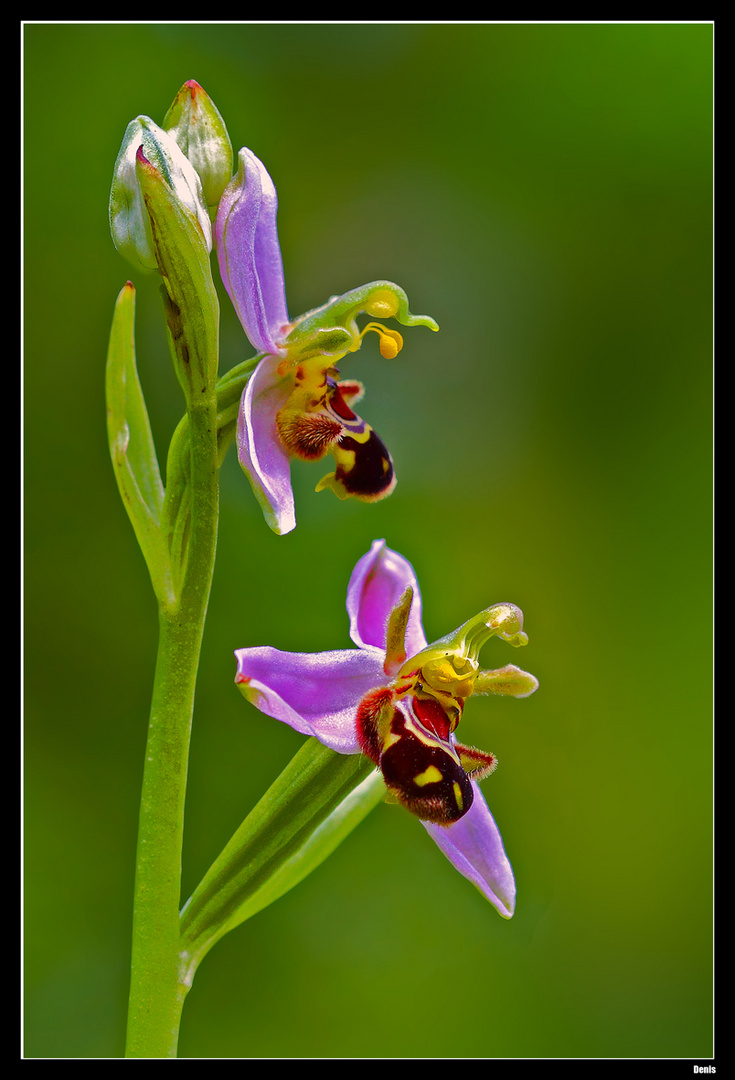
(399, 700)
(295, 403)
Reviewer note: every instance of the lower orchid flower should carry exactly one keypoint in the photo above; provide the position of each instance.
(399, 700)
(295, 403)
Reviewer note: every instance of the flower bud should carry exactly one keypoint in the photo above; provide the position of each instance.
(129, 221)
(195, 123)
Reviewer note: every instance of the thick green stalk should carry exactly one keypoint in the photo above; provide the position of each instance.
(192, 317)
(156, 996)
(190, 515)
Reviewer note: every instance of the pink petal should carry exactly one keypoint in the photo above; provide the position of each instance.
(377, 584)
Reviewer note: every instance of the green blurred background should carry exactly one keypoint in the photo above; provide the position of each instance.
(545, 192)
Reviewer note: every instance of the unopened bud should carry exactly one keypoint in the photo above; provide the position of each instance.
(129, 221)
(198, 129)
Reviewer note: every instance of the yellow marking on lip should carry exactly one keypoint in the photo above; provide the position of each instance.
(458, 795)
(391, 739)
(428, 776)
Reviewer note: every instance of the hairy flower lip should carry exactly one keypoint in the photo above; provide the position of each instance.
(318, 694)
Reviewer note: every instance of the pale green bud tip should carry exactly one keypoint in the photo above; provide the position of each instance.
(130, 225)
(194, 122)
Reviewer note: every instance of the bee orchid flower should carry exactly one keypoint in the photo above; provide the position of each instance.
(399, 700)
(295, 403)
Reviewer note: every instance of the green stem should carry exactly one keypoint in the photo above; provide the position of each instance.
(155, 997)
(156, 994)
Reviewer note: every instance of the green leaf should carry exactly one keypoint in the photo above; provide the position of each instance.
(314, 804)
(131, 445)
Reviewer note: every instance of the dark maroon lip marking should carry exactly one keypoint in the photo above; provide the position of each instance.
(372, 475)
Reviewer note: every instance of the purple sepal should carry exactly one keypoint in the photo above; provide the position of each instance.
(250, 256)
(474, 847)
(377, 584)
(260, 451)
(315, 693)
